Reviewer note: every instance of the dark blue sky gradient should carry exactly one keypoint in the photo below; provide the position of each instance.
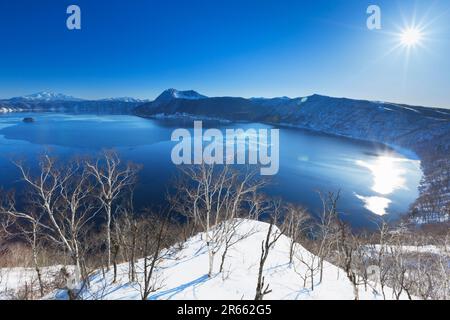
(224, 47)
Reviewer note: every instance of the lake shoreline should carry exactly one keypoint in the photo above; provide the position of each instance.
(407, 152)
(404, 151)
(330, 165)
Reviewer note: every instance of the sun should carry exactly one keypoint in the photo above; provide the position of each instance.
(411, 37)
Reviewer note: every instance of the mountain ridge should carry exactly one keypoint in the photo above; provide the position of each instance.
(423, 130)
(175, 94)
(46, 96)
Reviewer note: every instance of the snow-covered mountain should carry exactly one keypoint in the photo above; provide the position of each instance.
(170, 95)
(188, 94)
(49, 101)
(391, 123)
(47, 96)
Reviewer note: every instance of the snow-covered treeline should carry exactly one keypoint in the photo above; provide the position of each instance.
(218, 237)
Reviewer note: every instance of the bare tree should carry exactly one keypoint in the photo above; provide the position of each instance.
(202, 200)
(380, 251)
(26, 229)
(212, 197)
(241, 203)
(4, 226)
(155, 249)
(295, 223)
(125, 240)
(444, 266)
(58, 205)
(231, 235)
(398, 268)
(273, 235)
(309, 261)
(112, 179)
(346, 248)
(327, 227)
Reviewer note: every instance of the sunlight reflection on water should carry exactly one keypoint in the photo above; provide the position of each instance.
(388, 175)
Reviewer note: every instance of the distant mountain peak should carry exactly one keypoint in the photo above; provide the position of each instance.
(177, 94)
(48, 96)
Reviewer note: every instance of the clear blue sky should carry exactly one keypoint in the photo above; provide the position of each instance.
(225, 47)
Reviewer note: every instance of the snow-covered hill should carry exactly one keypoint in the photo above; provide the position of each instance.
(47, 96)
(183, 275)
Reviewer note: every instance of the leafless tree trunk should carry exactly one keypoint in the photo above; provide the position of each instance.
(295, 223)
(311, 263)
(34, 246)
(126, 233)
(212, 197)
(29, 231)
(273, 235)
(241, 203)
(152, 257)
(383, 232)
(112, 180)
(347, 247)
(327, 227)
(59, 205)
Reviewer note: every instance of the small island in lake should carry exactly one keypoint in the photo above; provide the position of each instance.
(28, 120)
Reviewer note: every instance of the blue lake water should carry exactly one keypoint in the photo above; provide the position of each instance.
(374, 180)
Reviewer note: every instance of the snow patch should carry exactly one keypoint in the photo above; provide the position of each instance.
(183, 274)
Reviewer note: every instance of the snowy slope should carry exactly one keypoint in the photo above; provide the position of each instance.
(184, 275)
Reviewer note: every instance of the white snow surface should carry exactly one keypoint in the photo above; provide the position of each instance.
(430, 249)
(12, 280)
(184, 274)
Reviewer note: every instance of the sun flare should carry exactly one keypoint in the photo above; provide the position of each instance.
(411, 37)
